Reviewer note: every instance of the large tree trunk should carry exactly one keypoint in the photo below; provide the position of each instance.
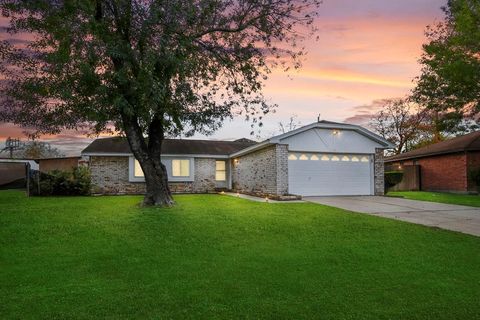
(156, 179)
(148, 155)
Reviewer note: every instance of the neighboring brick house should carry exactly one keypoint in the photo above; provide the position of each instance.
(444, 166)
(324, 158)
(62, 163)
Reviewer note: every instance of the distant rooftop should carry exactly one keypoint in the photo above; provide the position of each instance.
(468, 142)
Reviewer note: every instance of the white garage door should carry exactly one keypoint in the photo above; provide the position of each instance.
(317, 174)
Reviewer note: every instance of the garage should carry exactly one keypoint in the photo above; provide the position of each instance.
(320, 159)
(323, 174)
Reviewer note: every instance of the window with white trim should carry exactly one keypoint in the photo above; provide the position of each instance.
(137, 170)
(180, 168)
(220, 170)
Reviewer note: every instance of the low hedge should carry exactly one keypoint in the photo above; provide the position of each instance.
(393, 177)
(474, 175)
(62, 183)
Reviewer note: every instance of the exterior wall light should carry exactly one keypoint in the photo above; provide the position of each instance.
(335, 132)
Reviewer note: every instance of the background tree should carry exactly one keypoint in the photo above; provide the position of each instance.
(292, 124)
(449, 85)
(147, 68)
(399, 122)
(37, 150)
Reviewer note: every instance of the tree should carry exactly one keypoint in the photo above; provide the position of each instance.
(292, 124)
(449, 84)
(147, 68)
(398, 122)
(410, 126)
(38, 150)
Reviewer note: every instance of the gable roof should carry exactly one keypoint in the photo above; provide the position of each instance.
(468, 142)
(323, 124)
(119, 145)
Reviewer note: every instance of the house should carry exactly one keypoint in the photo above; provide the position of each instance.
(63, 163)
(444, 166)
(13, 172)
(323, 158)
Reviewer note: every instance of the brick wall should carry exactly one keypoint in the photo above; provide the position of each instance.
(205, 176)
(379, 173)
(65, 164)
(262, 171)
(282, 169)
(110, 176)
(443, 172)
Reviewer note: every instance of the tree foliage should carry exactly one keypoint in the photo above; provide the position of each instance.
(147, 68)
(38, 150)
(399, 122)
(292, 124)
(410, 126)
(450, 80)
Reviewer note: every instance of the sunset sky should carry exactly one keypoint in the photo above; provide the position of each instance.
(367, 50)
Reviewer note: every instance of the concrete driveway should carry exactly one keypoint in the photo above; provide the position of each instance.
(446, 216)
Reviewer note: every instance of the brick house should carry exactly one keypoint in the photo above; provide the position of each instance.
(323, 158)
(444, 166)
(62, 163)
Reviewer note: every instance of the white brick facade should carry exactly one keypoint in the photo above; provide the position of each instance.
(379, 174)
(110, 176)
(263, 171)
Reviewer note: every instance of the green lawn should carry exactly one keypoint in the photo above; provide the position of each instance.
(463, 199)
(219, 257)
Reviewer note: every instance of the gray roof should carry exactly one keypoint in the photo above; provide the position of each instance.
(468, 142)
(119, 145)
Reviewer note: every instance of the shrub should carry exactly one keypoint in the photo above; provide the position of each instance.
(393, 177)
(62, 183)
(474, 175)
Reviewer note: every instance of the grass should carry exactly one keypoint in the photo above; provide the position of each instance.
(451, 198)
(219, 257)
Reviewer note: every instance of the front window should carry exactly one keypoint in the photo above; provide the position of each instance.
(137, 170)
(220, 170)
(180, 168)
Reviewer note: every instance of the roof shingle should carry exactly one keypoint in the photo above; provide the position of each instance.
(119, 145)
(468, 142)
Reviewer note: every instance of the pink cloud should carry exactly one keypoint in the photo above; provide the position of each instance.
(367, 50)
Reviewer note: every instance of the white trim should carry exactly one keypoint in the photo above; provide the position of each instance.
(340, 126)
(209, 156)
(331, 152)
(131, 169)
(33, 164)
(106, 154)
(253, 148)
(230, 174)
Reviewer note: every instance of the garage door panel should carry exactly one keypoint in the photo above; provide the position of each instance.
(316, 178)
